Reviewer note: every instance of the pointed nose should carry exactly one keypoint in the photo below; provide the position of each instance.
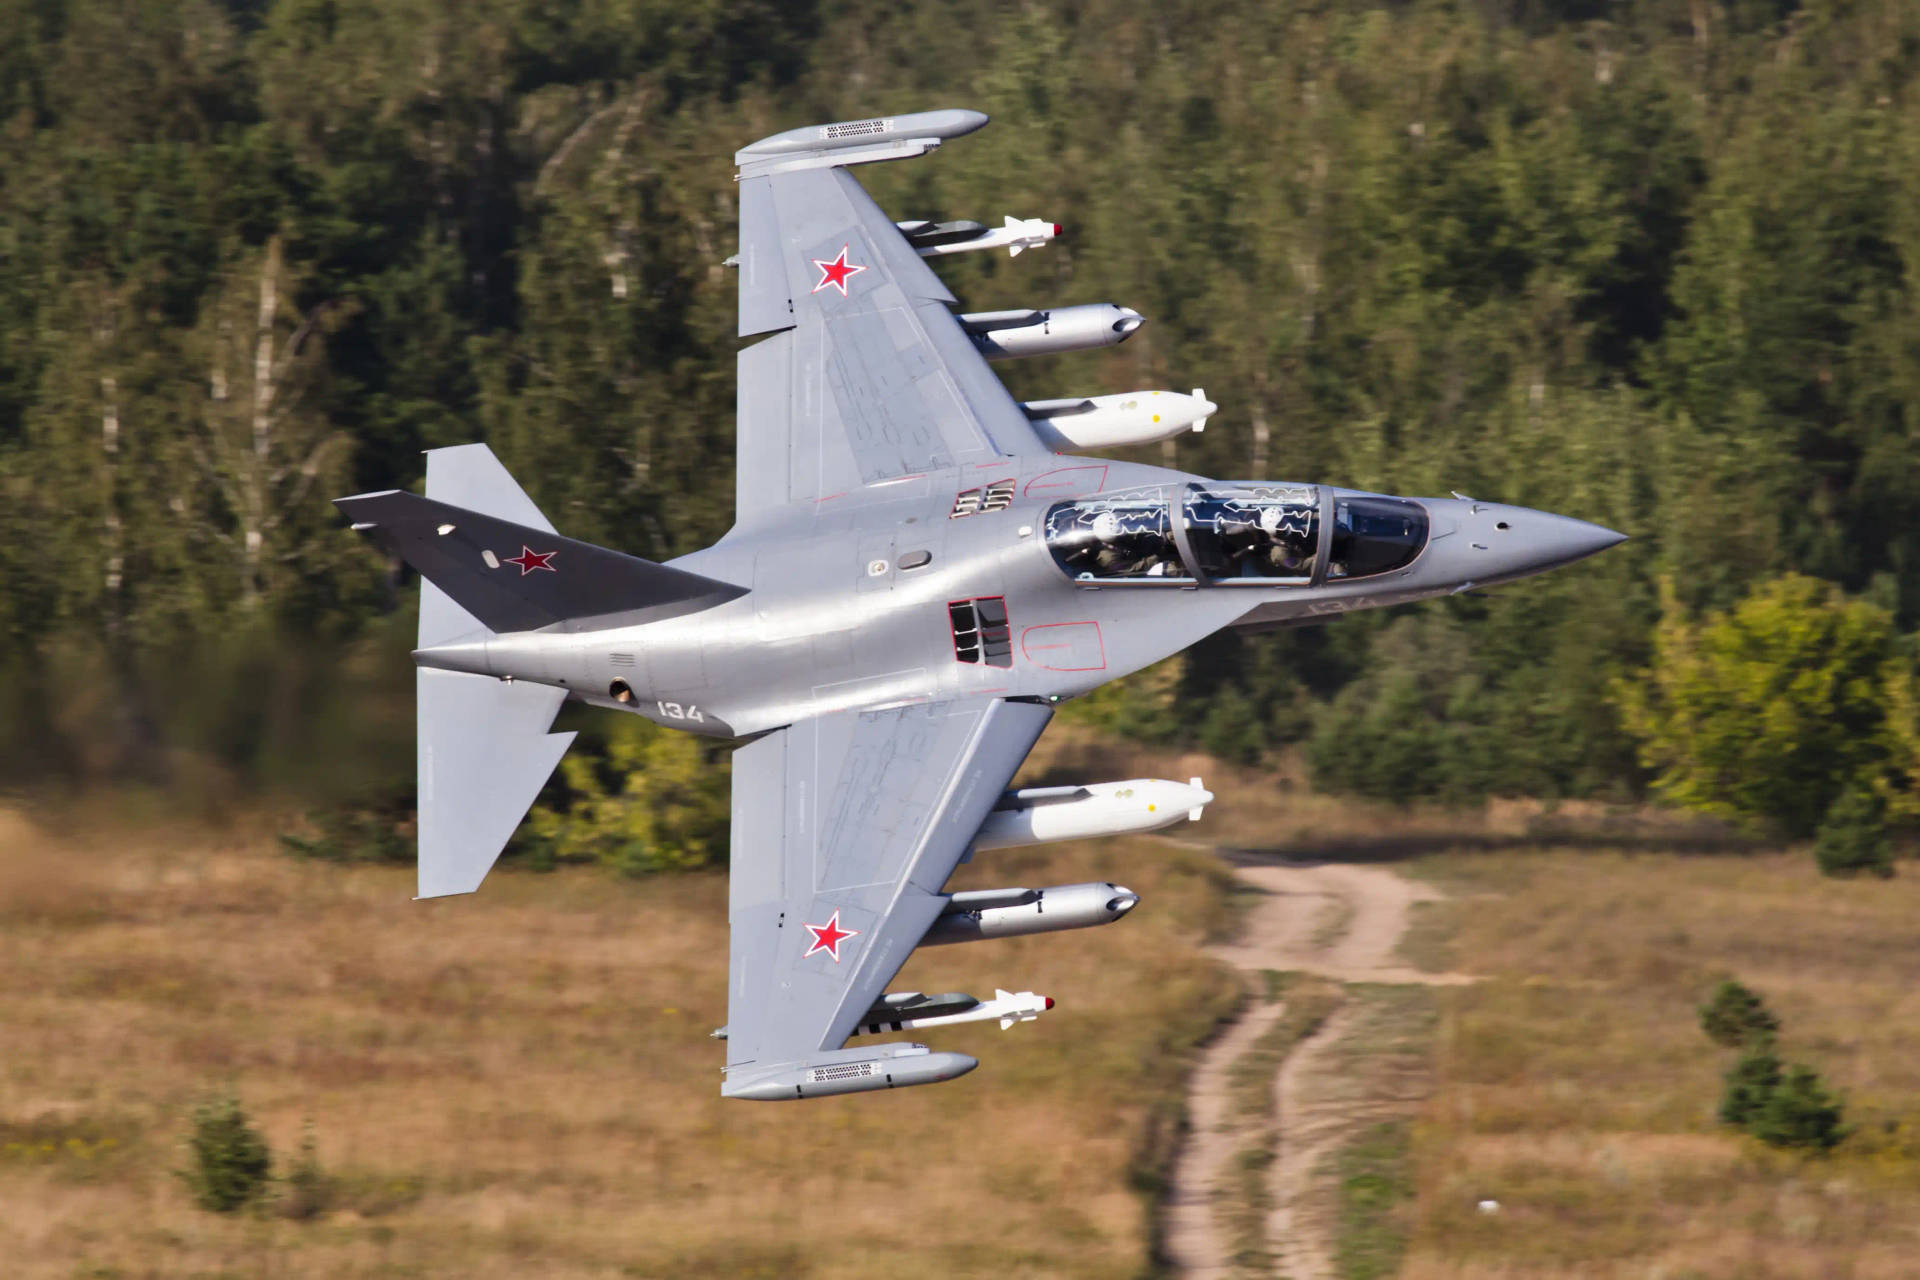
(1123, 901)
(1558, 540)
(1483, 543)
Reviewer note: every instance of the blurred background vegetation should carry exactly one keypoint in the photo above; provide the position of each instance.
(1653, 263)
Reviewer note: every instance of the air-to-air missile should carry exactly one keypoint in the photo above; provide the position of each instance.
(1039, 815)
(1006, 913)
(1111, 422)
(936, 239)
(1001, 335)
(910, 1010)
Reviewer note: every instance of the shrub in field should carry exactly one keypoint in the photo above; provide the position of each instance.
(1771, 710)
(1799, 1112)
(309, 1189)
(1750, 1083)
(1735, 1016)
(1853, 839)
(655, 801)
(228, 1159)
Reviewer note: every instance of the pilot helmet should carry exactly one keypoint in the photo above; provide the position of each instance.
(1106, 526)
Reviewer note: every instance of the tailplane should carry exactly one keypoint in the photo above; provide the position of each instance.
(489, 561)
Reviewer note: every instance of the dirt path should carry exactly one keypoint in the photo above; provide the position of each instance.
(1340, 921)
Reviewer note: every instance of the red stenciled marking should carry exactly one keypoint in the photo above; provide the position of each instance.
(1068, 480)
(1084, 640)
(830, 497)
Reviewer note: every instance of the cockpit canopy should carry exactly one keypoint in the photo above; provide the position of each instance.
(1270, 534)
(1116, 536)
(1375, 535)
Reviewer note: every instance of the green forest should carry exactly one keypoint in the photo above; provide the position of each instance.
(1652, 263)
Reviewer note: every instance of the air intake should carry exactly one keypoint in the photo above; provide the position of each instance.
(980, 631)
(997, 496)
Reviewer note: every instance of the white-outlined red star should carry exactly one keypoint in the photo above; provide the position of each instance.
(834, 272)
(529, 560)
(828, 937)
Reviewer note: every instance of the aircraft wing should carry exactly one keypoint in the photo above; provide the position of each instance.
(868, 375)
(845, 829)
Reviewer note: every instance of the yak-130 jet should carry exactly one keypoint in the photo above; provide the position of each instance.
(920, 568)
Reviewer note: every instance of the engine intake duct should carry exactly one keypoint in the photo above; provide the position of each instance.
(1001, 335)
(1008, 913)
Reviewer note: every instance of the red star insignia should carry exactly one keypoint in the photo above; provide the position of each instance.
(529, 560)
(835, 273)
(828, 937)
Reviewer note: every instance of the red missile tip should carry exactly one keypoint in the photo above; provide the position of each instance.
(1049, 1000)
(1056, 228)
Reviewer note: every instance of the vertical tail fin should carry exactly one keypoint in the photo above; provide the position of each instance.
(468, 476)
(484, 750)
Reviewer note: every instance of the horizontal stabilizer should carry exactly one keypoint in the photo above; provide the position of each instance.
(515, 577)
(484, 754)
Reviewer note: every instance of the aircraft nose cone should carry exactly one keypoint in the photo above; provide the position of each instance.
(1497, 543)
(1561, 540)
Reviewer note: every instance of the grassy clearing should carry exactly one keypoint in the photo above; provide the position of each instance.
(1375, 1177)
(1576, 1088)
(521, 1081)
(1373, 1081)
(1243, 1207)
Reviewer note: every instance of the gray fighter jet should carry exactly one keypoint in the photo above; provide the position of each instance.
(919, 570)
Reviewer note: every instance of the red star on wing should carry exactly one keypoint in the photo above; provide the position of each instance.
(828, 937)
(835, 273)
(529, 560)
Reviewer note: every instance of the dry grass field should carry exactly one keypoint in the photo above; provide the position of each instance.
(521, 1082)
(1576, 1088)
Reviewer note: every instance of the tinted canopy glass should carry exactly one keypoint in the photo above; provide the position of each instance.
(1254, 532)
(1116, 537)
(1375, 535)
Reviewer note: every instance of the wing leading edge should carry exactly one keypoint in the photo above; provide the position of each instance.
(868, 376)
(845, 829)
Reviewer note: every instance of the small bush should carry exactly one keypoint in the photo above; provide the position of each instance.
(1853, 838)
(1750, 1083)
(376, 826)
(309, 1189)
(1799, 1112)
(230, 1161)
(1735, 1016)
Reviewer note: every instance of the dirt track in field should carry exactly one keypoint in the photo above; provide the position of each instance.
(1339, 921)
